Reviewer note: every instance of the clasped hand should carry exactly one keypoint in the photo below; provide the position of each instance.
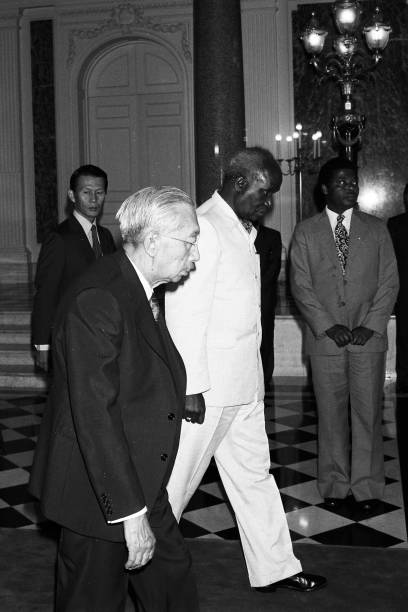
(343, 336)
(194, 409)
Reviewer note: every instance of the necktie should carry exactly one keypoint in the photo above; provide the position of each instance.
(341, 239)
(247, 225)
(155, 306)
(95, 242)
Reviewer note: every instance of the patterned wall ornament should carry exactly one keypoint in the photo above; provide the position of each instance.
(128, 19)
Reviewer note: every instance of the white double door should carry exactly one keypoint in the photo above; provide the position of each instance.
(135, 121)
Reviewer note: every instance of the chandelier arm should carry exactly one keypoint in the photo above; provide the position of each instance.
(331, 69)
(345, 141)
(362, 69)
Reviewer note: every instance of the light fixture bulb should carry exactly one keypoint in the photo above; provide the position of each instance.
(347, 15)
(376, 32)
(313, 37)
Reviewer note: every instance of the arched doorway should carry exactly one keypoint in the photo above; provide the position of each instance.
(135, 120)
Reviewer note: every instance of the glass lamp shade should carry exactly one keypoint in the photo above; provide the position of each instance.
(313, 37)
(345, 45)
(347, 15)
(377, 33)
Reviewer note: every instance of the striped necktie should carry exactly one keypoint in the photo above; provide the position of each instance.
(95, 242)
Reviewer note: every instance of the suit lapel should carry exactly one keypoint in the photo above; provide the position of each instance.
(358, 234)
(76, 228)
(141, 308)
(325, 237)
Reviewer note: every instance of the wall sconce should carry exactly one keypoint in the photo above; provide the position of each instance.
(347, 64)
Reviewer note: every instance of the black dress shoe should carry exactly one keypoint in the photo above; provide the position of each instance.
(300, 582)
(333, 502)
(368, 504)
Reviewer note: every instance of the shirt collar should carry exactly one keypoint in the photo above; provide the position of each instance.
(85, 223)
(333, 218)
(231, 213)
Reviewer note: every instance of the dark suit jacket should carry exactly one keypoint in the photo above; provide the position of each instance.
(268, 244)
(64, 255)
(365, 295)
(398, 227)
(110, 432)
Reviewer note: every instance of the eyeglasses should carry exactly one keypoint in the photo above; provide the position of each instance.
(189, 245)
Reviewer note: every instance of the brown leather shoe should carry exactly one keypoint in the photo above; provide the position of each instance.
(302, 582)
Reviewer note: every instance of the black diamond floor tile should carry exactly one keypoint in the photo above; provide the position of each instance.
(30, 431)
(295, 536)
(229, 534)
(202, 499)
(211, 474)
(290, 454)
(16, 495)
(18, 446)
(290, 503)
(296, 420)
(9, 517)
(6, 413)
(292, 436)
(6, 465)
(27, 400)
(353, 511)
(356, 535)
(191, 530)
(285, 477)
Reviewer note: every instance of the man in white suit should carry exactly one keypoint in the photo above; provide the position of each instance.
(214, 320)
(345, 282)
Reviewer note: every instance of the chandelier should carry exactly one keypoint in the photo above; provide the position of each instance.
(347, 64)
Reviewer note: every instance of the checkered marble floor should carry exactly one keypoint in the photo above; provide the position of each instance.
(291, 427)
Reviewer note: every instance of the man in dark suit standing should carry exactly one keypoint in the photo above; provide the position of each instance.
(268, 244)
(67, 252)
(110, 432)
(398, 227)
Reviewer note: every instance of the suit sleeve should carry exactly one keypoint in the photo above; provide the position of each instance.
(50, 269)
(313, 311)
(188, 310)
(388, 285)
(93, 333)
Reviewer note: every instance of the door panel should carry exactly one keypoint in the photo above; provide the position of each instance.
(135, 118)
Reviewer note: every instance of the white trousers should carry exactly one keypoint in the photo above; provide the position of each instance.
(236, 437)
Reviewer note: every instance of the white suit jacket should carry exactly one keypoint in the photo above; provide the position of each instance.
(214, 316)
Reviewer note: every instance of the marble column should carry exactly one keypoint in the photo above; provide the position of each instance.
(218, 90)
(13, 254)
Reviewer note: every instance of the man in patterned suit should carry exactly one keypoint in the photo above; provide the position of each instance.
(68, 251)
(344, 280)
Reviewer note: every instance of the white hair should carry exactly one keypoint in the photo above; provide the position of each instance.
(152, 208)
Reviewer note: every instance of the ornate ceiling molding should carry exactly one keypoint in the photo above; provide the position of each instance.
(128, 19)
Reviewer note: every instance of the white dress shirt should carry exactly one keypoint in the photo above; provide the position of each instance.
(333, 218)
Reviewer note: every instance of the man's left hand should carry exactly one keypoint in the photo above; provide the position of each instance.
(194, 410)
(361, 335)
